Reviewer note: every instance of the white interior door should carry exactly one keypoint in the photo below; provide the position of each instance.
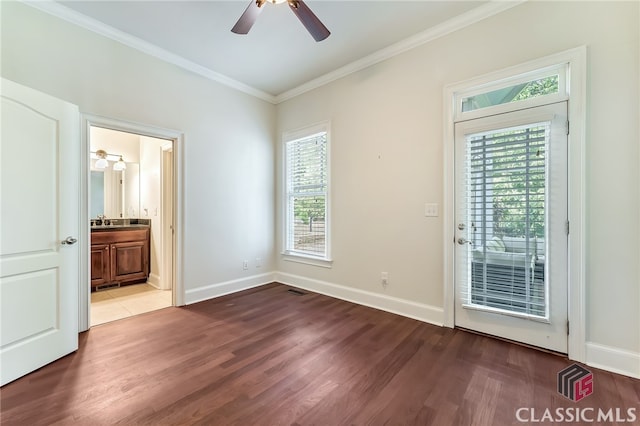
(39, 266)
(511, 226)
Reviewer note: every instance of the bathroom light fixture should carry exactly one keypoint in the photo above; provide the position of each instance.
(101, 162)
(120, 165)
(103, 158)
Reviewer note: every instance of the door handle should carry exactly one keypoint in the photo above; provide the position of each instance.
(462, 241)
(68, 241)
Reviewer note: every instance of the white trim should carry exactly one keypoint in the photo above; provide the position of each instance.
(84, 289)
(556, 59)
(613, 359)
(227, 287)
(498, 311)
(306, 131)
(133, 42)
(167, 241)
(154, 280)
(307, 260)
(454, 24)
(576, 85)
(448, 208)
(291, 136)
(177, 137)
(561, 95)
(418, 311)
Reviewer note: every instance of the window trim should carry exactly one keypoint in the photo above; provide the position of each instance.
(292, 255)
(481, 86)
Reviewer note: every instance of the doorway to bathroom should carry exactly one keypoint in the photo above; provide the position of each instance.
(131, 208)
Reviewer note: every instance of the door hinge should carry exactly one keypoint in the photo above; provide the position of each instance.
(567, 227)
(568, 131)
(567, 327)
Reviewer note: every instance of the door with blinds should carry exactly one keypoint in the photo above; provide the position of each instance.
(511, 273)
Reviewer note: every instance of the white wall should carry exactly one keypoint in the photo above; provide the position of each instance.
(150, 199)
(116, 143)
(131, 189)
(387, 151)
(228, 144)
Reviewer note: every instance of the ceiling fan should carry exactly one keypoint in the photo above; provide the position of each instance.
(310, 21)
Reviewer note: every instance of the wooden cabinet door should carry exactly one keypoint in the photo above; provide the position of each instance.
(100, 264)
(129, 260)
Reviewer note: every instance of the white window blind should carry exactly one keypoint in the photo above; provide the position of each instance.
(306, 197)
(506, 186)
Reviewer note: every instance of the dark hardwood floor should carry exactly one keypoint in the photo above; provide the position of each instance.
(269, 357)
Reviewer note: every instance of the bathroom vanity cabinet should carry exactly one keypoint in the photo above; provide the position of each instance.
(119, 255)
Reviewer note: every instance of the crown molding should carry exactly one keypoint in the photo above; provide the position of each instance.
(492, 8)
(454, 24)
(69, 15)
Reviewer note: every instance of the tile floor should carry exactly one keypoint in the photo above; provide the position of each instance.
(127, 301)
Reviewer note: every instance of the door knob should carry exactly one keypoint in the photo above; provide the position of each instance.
(68, 241)
(462, 241)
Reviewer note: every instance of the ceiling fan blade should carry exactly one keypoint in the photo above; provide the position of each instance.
(310, 21)
(249, 17)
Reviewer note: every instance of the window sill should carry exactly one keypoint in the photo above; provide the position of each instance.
(307, 260)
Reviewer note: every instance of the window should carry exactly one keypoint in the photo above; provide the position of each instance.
(507, 186)
(526, 90)
(514, 93)
(307, 190)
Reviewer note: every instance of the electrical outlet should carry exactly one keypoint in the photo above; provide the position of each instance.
(384, 279)
(258, 262)
(245, 264)
(431, 209)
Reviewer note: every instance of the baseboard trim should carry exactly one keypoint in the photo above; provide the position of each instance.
(613, 359)
(154, 280)
(227, 287)
(607, 358)
(418, 311)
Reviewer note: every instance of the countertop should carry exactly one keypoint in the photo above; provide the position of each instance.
(99, 228)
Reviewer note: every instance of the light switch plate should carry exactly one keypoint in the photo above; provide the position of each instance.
(431, 209)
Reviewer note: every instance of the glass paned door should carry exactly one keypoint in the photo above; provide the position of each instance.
(511, 211)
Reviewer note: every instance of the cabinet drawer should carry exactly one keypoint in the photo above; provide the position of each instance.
(108, 237)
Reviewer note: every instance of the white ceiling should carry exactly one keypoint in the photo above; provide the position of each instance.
(278, 55)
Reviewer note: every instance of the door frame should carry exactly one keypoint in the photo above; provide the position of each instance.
(576, 94)
(177, 139)
(167, 196)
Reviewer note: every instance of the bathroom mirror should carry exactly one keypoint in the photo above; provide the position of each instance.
(115, 194)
